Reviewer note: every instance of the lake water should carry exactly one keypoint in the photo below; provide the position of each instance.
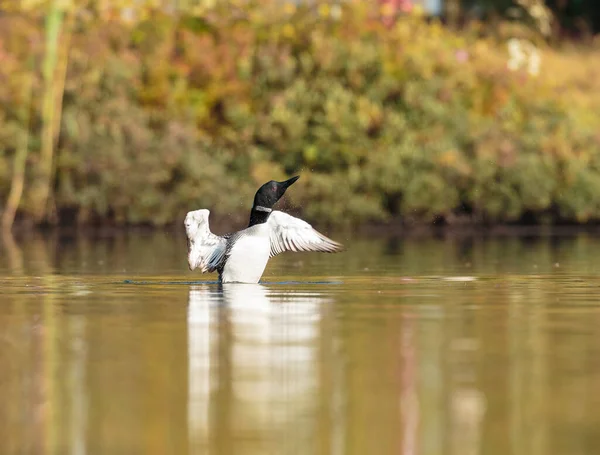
(109, 345)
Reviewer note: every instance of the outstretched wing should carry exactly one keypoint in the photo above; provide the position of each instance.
(206, 250)
(288, 233)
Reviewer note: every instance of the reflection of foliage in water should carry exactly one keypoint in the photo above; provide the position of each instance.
(403, 355)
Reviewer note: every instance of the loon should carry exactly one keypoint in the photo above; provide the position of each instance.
(241, 257)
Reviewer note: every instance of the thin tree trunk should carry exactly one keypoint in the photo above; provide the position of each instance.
(453, 12)
(59, 91)
(41, 190)
(18, 179)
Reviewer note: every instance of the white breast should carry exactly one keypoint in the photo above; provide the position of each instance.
(249, 256)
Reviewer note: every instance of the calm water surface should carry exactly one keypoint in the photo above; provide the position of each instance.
(108, 345)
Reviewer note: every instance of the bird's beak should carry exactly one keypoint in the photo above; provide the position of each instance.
(285, 184)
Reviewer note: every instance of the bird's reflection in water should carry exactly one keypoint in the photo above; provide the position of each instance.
(253, 368)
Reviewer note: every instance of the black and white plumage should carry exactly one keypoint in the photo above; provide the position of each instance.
(242, 256)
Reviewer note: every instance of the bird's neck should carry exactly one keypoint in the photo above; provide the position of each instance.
(259, 215)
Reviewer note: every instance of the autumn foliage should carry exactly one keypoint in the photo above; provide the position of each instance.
(162, 112)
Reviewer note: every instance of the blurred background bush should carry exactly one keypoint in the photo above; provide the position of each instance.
(124, 111)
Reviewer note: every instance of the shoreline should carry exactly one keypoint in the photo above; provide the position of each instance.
(388, 230)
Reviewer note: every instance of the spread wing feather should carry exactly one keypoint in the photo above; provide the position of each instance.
(206, 250)
(288, 233)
